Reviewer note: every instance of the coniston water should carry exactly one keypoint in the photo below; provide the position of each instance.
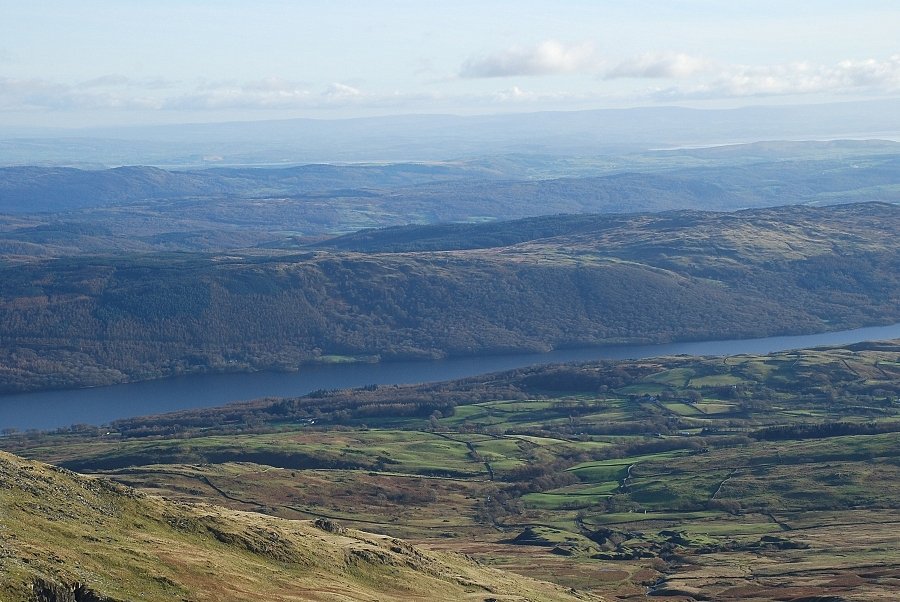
(62, 408)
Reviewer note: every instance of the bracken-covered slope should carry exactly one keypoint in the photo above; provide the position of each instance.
(68, 538)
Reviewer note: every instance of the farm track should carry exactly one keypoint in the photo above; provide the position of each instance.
(722, 484)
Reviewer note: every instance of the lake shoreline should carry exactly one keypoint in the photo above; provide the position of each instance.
(56, 408)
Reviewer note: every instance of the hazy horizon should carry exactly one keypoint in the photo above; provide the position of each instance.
(442, 137)
(104, 63)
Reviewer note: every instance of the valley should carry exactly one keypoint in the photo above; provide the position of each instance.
(719, 478)
(731, 477)
(464, 302)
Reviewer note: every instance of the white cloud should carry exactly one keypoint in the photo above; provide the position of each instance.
(338, 90)
(12, 88)
(698, 77)
(238, 97)
(869, 76)
(514, 93)
(30, 94)
(274, 84)
(104, 81)
(268, 93)
(272, 94)
(659, 65)
(548, 58)
(691, 78)
(115, 80)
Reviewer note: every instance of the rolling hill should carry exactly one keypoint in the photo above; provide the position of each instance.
(57, 211)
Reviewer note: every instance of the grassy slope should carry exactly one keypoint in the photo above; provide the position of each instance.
(60, 528)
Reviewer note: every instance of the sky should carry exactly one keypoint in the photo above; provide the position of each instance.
(131, 62)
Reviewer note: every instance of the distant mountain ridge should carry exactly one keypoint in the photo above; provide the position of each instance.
(464, 190)
(461, 236)
(36, 189)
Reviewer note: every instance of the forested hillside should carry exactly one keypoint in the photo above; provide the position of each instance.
(651, 277)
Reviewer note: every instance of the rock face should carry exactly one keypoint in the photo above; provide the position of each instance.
(329, 526)
(46, 591)
(69, 538)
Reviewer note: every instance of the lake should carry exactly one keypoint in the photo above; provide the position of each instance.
(53, 409)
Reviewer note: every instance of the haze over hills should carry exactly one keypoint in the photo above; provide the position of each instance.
(725, 187)
(42, 189)
(442, 137)
(54, 211)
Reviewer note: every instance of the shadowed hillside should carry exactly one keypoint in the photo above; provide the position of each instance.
(565, 282)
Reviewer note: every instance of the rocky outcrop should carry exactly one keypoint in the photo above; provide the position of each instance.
(49, 591)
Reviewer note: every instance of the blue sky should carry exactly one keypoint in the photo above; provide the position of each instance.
(98, 62)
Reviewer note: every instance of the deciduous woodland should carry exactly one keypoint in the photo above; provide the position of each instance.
(534, 285)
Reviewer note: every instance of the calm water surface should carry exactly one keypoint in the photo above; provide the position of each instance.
(52, 409)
